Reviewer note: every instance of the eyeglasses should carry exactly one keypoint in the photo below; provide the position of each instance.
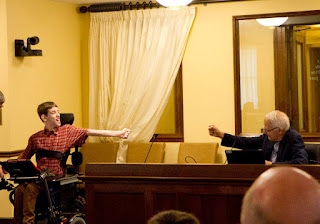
(266, 130)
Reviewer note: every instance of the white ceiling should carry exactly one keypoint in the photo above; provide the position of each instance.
(85, 2)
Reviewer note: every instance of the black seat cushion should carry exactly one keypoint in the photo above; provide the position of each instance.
(313, 151)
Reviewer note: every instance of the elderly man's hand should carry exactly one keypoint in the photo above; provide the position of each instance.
(214, 131)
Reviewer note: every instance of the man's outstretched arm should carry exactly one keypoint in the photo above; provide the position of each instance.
(124, 133)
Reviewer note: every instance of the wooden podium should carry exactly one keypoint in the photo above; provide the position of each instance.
(132, 193)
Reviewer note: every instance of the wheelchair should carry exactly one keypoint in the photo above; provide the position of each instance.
(60, 202)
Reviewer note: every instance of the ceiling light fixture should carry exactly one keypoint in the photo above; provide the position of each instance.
(272, 21)
(174, 3)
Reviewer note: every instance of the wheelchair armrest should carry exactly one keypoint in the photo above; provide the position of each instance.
(66, 180)
(27, 179)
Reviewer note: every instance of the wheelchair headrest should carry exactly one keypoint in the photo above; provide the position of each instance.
(76, 157)
(66, 118)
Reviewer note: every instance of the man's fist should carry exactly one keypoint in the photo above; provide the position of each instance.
(124, 133)
(214, 131)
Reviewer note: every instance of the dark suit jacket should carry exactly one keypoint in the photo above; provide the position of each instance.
(291, 147)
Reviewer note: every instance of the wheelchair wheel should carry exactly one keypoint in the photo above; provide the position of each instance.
(11, 196)
(77, 220)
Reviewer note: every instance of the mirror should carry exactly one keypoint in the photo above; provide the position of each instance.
(278, 67)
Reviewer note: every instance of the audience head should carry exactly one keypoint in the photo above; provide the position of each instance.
(44, 108)
(2, 99)
(173, 217)
(285, 195)
(276, 124)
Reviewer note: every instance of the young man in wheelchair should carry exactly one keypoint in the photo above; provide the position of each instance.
(54, 138)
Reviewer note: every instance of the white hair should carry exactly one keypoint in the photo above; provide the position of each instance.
(278, 119)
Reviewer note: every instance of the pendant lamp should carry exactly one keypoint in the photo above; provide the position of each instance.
(272, 21)
(174, 3)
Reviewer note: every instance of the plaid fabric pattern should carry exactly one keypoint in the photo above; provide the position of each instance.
(60, 139)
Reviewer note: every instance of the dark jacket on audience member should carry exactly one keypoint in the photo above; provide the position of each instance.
(291, 147)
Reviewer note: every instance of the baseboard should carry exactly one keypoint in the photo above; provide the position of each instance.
(6, 220)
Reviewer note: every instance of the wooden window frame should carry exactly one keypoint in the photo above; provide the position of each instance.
(178, 136)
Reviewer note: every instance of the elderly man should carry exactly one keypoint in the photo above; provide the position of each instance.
(280, 143)
(285, 195)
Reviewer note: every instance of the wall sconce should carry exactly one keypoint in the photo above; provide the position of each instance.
(23, 48)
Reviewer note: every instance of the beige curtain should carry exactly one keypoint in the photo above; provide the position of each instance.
(134, 57)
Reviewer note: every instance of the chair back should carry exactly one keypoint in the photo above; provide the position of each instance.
(138, 151)
(197, 152)
(313, 151)
(98, 152)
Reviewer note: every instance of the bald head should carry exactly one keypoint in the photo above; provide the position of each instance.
(282, 195)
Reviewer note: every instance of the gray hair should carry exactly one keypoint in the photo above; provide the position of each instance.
(278, 119)
(2, 99)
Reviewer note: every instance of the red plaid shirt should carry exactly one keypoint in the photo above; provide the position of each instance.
(60, 139)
